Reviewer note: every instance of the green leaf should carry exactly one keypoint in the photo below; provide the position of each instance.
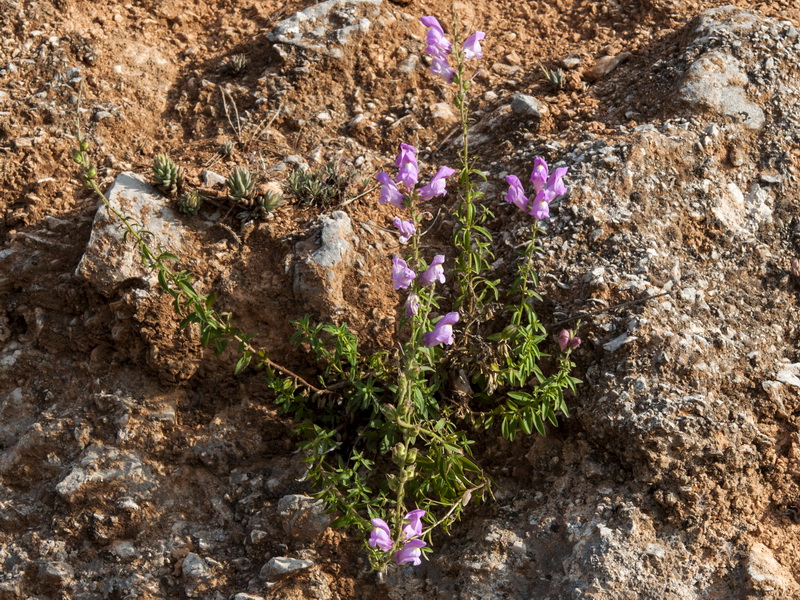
(537, 422)
(242, 363)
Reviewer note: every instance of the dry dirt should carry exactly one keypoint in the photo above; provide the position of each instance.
(96, 369)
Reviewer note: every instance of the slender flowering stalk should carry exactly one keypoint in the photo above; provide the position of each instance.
(471, 238)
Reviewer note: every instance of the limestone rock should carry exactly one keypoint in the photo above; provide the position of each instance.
(107, 469)
(110, 260)
(716, 81)
(528, 106)
(281, 565)
(324, 258)
(304, 518)
(767, 576)
(325, 27)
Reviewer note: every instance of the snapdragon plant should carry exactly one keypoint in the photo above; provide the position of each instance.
(387, 448)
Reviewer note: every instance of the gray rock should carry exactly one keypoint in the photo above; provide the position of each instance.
(55, 574)
(304, 518)
(101, 115)
(110, 260)
(528, 106)
(767, 576)
(243, 596)
(212, 179)
(281, 565)
(325, 27)
(442, 114)
(194, 567)
(716, 82)
(323, 259)
(106, 470)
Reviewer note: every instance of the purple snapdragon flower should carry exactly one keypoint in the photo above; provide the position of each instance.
(516, 193)
(402, 275)
(555, 183)
(381, 536)
(472, 46)
(410, 553)
(412, 305)
(547, 187)
(440, 67)
(437, 185)
(437, 44)
(442, 332)
(406, 229)
(433, 273)
(539, 174)
(540, 207)
(438, 47)
(414, 527)
(389, 191)
(567, 340)
(407, 167)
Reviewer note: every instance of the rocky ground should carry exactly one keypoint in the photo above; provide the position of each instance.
(134, 465)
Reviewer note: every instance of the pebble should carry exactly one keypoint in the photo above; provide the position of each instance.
(101, 115)
(280, 565)
(523, 104)
(194, 567)
(605, 65)
(212, 179)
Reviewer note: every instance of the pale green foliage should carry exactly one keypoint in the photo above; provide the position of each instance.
(323, 187)
(190, 203)
(169, 177)
(240, 185)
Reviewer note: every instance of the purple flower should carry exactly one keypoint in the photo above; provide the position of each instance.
(402, 276)
(437, 185)
(414, 527)
(566, 340)
(433, 273)
(406, 229)
(540, 207)
(380, 537)
(437, 44)
(555, 184)
(472, 47)
(442, 332)
(440, 67)
(406, 163)
(516, 193)
(410, 553)
(412, 305)
(389, 191)
(539, 174)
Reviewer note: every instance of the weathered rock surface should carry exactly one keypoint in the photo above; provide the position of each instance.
(324, 260)
(109, 259)
(304, 518)
(325, 27)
